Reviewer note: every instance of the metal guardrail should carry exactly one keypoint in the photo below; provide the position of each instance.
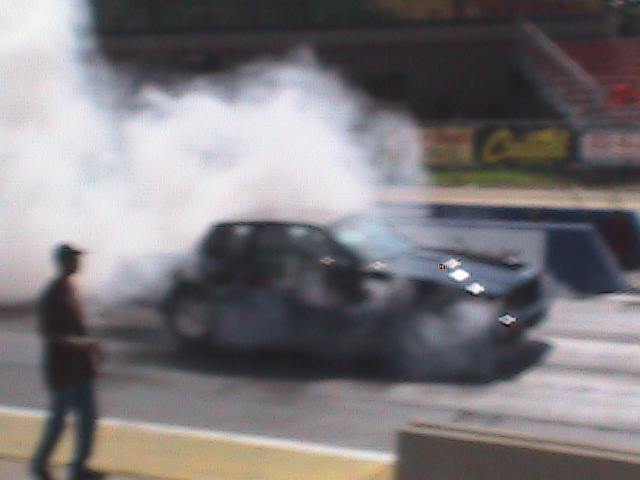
(569, 86)
(575, 246)
(563, 61)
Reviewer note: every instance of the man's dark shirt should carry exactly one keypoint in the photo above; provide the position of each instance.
(60, 315)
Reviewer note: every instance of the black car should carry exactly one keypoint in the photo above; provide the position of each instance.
(352, 289)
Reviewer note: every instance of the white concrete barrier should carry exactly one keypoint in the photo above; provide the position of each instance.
(454, 452)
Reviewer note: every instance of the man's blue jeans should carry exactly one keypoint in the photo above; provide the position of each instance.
(81, 398)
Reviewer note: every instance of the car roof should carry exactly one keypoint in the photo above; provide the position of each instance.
(265, 223)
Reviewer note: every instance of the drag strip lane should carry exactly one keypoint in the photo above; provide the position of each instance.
(580, 387)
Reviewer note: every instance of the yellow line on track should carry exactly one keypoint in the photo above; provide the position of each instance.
(179, 453)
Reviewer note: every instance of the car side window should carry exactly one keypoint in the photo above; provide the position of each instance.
(271, 258)
(317, 245)
(222, 250)
(328, 273)
(278, 253)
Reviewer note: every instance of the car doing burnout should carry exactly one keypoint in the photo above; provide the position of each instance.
(354, 288)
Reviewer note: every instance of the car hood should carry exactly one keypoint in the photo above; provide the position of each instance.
(486, 275)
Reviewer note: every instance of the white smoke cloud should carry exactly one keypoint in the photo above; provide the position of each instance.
(279, 139)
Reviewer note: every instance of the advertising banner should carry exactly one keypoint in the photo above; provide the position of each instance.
(607, 148)
(449, 146)
(522, 146)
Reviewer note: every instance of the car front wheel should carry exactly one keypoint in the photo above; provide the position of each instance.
(450, 343)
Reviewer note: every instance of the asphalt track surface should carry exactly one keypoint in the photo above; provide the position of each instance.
(170, 415)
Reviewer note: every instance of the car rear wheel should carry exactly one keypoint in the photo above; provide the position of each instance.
(189, 317)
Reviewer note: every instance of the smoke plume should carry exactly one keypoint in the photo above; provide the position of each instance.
(284, 138)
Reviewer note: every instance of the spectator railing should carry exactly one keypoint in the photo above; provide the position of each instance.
(573, 90)
(582, 96)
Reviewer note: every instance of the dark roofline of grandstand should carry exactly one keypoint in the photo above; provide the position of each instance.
(402, 25)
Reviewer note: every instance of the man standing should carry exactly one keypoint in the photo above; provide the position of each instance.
(69, 368)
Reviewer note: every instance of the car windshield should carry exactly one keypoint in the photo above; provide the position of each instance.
(370, 238)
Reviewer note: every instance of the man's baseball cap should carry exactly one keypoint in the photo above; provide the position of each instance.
(65, 250)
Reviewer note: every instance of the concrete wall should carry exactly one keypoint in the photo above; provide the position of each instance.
(454, 452)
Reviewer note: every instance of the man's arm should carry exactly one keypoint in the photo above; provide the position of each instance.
(75, 342)
(79, 343)
(55, 309)
(71, 340)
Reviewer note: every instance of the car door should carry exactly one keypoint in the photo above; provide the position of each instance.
(327, 275)
(336, 321)
(261, 303)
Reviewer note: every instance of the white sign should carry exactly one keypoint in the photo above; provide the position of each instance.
(609, 148)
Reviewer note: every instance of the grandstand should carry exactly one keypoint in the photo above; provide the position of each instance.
(593, 81)
(445, 59)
